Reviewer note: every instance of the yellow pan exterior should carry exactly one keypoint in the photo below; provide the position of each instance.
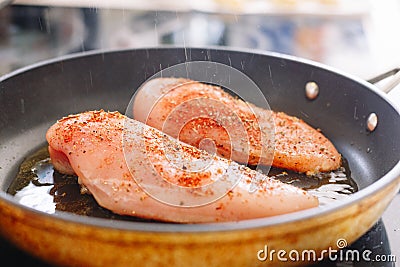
(67, 243)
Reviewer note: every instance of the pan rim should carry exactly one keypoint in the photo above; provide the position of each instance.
(386, 180)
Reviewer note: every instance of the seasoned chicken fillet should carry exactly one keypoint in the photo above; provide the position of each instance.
(193, 112)
(133, 169)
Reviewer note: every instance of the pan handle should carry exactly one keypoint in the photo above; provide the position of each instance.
(390, 85)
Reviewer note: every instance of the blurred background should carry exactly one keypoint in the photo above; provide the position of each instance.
(359, 36)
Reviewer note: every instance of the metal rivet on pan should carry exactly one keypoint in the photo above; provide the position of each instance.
(372, 121)
(312, 90)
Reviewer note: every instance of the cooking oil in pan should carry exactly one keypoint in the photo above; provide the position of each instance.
(39, 186)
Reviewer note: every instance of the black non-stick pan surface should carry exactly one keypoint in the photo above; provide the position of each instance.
(33, 98)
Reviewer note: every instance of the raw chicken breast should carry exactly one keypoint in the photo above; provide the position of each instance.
(133, 169)
(192, 112)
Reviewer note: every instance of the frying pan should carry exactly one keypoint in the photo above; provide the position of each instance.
(33, 98)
